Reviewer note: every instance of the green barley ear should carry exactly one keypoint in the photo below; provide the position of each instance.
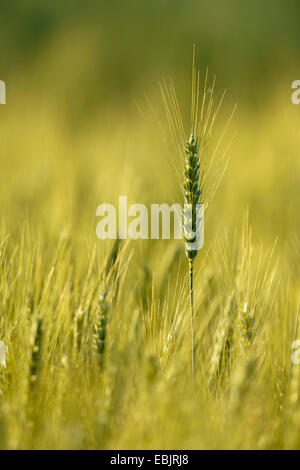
(35, 350)
(192, 190)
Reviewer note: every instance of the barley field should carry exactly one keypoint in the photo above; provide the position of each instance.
(95, 335)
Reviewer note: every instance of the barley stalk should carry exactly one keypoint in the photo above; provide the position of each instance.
(191, 275)
(192, 193)
(201, 176)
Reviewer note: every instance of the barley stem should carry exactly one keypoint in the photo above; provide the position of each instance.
(191, 276)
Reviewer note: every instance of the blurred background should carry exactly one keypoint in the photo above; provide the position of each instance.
(74, 71)
(77, 130)
(99, 54)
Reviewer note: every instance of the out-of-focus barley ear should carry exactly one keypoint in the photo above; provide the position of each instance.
(110, 276)
(35, 350)
(223, 343)
(3, 368)
(151, 368)
(100, 328)
(143, 290)
(30, 303)
(174, 260)
(247, 325)
(240, 385)
(109, 289)
(246, 361)
(77, 328)
(112, 257)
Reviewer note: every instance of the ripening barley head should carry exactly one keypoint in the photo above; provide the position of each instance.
(192, 196)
